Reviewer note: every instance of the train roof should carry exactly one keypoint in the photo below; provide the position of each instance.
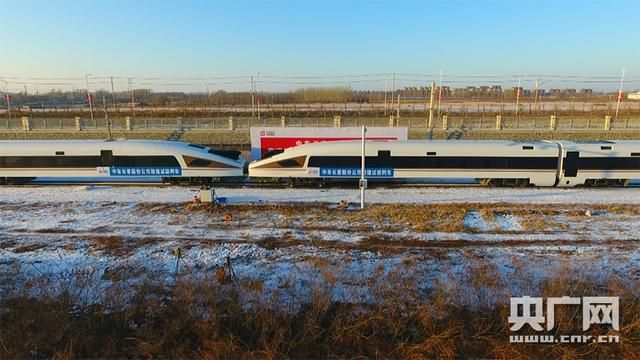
(78, 147)
(103, 144)
(90, 142)
(465, 143)
(414, 143)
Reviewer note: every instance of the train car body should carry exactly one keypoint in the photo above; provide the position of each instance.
(521, 163)
(599, 163)
(115, 159)
(498, 163)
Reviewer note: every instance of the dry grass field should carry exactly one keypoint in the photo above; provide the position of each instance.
(307, 280)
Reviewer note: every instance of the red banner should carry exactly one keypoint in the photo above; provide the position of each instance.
(266, 139)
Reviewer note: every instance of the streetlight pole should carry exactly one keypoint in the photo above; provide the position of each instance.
(86, 79)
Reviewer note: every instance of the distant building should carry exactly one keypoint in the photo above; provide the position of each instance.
(446, 91)
(540, 93)
(634, 96)
(586, 92)
(495, 91)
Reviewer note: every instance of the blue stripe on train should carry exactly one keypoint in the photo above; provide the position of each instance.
(144, 171)
(369, 172)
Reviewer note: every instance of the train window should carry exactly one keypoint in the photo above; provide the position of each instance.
(296, 162)
(605, 147)
(609, 163)
(49, 161)
(527, 148)
(384, 153)
(495, 163)
(431, 153)
(231, 154)
(291, 163)
(442, 162)
(198, 162)
(197, 146)
(470, 163)
(337, 161)
(59, 152)
(166, 161)
(635, 154)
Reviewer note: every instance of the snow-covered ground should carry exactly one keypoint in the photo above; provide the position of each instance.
(426, 194)
(279, 236)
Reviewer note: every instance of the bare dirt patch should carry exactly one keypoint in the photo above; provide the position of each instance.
(112, 244)
(28, 248)
(55, 231)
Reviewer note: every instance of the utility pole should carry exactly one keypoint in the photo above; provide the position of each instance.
(619, 95)
(106, 116)
(535, 97)
(131, 97)
(253, 99)
(518, 95)
(258, 99)
(86, 78)
(206, 103)
(439, 93)
(7, 97)
(393, 90)
(433, 93)
(385, 96)
(113, 94)
(398, 109)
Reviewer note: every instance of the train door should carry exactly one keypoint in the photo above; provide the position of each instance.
(106, 157)
(571, 163)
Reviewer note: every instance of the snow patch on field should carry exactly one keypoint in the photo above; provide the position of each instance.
(504, 222)
(474, 220)
(508, 222)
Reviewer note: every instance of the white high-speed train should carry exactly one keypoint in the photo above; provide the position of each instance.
(497, 163)
(174, 162)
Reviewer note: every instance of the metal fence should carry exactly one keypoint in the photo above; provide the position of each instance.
(445, 122)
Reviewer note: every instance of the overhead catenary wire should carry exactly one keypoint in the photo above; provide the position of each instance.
(367, 81)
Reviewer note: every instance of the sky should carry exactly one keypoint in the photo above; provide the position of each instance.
(189, 45)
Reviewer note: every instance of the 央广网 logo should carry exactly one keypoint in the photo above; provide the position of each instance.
(526, 310)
